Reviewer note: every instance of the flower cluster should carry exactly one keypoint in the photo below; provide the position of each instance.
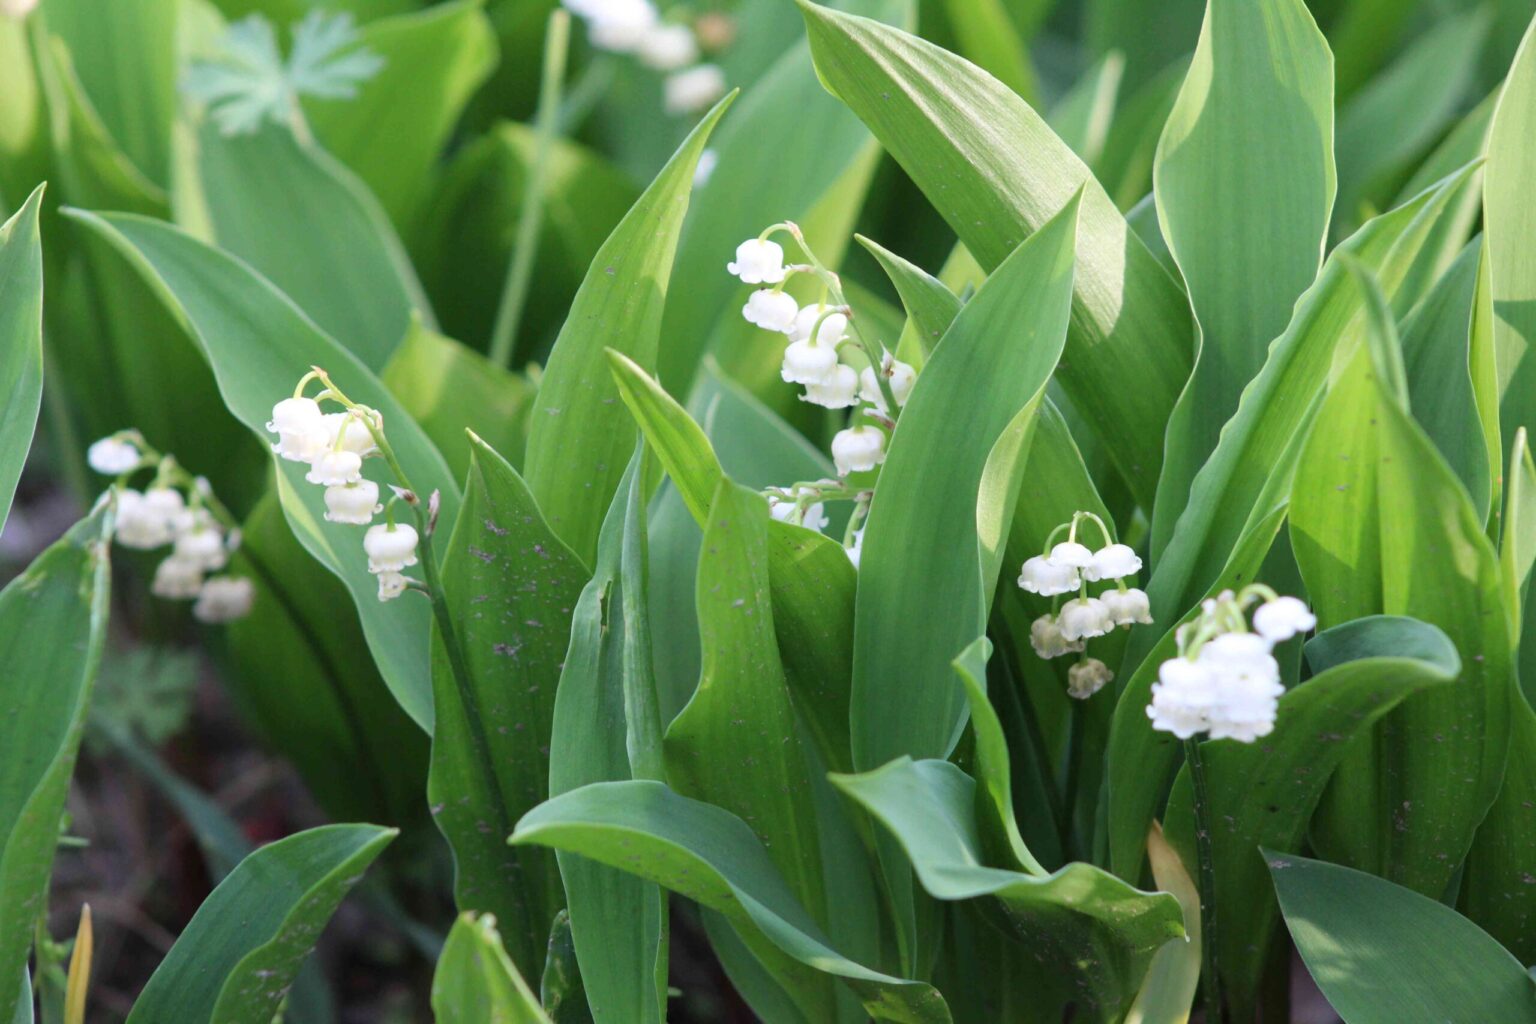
(334, 446)
(180, 511)
(1225, 680)
(662, 44)
(1069, 566)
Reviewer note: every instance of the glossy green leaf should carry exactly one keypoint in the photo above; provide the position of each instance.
(1496, 889)
(259, 345)
(607, 727)
(1082, 117)
(1168, 991)
(711, 856)
(904, 700)
(581, 438)
(1517, 548)
(1263, 795)
(23, 120)
(304, 222)
(1383, 954)
(1149, 44)
(987, 37)
(21, 342)
(449, 388)
(476, 982)
(930, 306)
(996, 172)
(392, 132)
(1380, 524)
(1510, 221)
(1244, 184)
(53, 618)
(465, 240)
(237, 956)
(511, 587)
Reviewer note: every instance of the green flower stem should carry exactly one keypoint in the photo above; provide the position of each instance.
(1213, 1002)
(514, 291)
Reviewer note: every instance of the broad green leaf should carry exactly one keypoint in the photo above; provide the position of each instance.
(53, 618)
(1082, 117)
(607, 727)
(811, 577)
(1517, 549)
(23, 119)
(1464, 143)
(1258, 447)
(1174, 973)
(996, 172)
(712, 857)
(1091, 930)
(930, 306)
(1125, 167)
(1510, 221)
(21, 342)
(904, 700)
(237, 956)
(360, 754)
(988, 38)
(1363, 35)
(392, 132)
(304, 222)
(1383, 954)
(464, 242)
(1496, 888)
(1380, 525)
(449, 388)
(126, 56)
(1149, 44)
(1244, 185)
(510, 587)
(581, 438)
(476, 983)
(1263, 794)
(1396, 116)
(259, 345)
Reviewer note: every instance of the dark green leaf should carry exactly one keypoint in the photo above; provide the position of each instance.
(476, 983)
(21, 342)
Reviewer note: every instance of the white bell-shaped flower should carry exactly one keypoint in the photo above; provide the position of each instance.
(901, 376)
(354, 434)
(224, 599)
(758, 261)
(112, 456)
(335, 468)
(1071, 553)
(137, 525)
(1284, 617)
(391, 585)
(783, 509)
(203, 547)
(857, 549)
(300, 428)
(1247, 686)
(1045, 637)
(806, 362)
(693, 90)
(838, 391)
(857, 449)
(619, 25)
(177, 579)
(1085, 617)
(1040, 575)
(667, 47)
(1182, 698)
(1112, 562)
(355, 503)
(1128, 607)
(1087, 677)
(833, 329)
(390, 547)
(771, 310)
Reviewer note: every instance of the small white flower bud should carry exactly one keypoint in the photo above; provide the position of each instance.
(390, 548)
(668, 47)
(902, 377)
(1283, 618)
(758, 261)
(177, 578)
(806, 362)
(355, 503)
(771, 310)
(1087, 677)
(618, 25)
(1072, 554)
(391, 585)
(1045, 637)
(838, 391)
(1182, 698)
(300, 429)
(1112, 562)
(1128, 607)
(224, 599)
(1039, 575)
(1085, 617)
(783, 509)
(355, 436)
(112, 456)
(857, 449)
(833, 329)
(335, 468)
(856, 551)
(688, 92)
(202, 547)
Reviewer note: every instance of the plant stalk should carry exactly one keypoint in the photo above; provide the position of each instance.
(1213, 1001)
